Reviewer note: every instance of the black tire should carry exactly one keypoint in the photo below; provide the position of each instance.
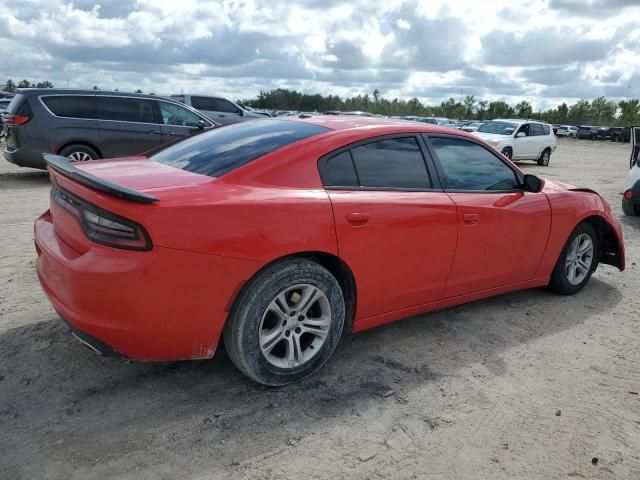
(559, 282)
(244, 326)
(544, 158)
(629, 208)
(507, 152)
(79, 153)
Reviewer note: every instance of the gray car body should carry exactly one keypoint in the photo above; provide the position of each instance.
(46, 132)
(218, 109)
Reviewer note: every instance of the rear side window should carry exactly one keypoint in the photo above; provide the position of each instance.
(339, 171)
(72, 106)
(221, 150)
(16, 102)
(468, 166)
(125, 109)
(392, 163)
(546, 130)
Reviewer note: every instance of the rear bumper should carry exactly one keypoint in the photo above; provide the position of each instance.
(25, 158)
(164, 304)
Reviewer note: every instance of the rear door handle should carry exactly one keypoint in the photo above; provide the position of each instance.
(358, 218)
(471, 218)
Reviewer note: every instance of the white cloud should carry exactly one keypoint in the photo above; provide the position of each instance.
(549, 52)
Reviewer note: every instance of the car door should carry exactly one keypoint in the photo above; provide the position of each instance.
(179, 122)
(502, 230)
(396, 228)
(127, 126)
(522, 146)
(539, 141)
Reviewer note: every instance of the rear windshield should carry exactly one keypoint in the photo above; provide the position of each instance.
(224, 149)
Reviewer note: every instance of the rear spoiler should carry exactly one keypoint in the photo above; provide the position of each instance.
(63, 166)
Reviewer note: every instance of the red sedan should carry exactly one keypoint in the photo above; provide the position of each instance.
(280, 235)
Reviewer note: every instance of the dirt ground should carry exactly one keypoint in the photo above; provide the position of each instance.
(525, 385)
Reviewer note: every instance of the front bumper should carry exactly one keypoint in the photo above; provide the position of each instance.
(164, 304)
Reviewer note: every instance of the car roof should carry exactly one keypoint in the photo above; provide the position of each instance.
(519, 121)
(349, 122)
(73, 91)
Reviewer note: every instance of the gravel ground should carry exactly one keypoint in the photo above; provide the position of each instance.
(525, 385)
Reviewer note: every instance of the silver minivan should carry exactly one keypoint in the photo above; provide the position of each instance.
(218, 109)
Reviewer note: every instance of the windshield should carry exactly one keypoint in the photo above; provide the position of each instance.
(500, 128)
(221, 150)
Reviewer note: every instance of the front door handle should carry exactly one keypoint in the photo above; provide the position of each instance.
(471, 218)
(358, 218)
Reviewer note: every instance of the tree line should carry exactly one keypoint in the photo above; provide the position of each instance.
(599, 111)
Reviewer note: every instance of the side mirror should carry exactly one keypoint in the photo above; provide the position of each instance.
(531, 183)
(520, 134)
(201, 125)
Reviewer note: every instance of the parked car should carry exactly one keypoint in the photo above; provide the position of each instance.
(221, 110)
(520, 139)
(4, 104)
(88, 124)
(472, 127)
(587, 132)
(631, 188)
(620, 134)
(262, 233)
(567, 131)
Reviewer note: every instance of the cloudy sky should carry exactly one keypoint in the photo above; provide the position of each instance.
(545, 51)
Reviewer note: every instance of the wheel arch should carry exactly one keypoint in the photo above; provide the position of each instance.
(611, 250)
(336, 266)
(79, 142)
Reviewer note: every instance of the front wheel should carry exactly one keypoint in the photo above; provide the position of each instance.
(507, 152)
(577, 261)
(286, 323)
(545, 156)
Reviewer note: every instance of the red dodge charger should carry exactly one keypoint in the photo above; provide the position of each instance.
(280, 235)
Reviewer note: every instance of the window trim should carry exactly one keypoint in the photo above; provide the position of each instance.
(426, 157)
(440, 171)
(97, 95)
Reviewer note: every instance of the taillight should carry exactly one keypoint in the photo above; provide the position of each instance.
(15, 120)
(628, 194)
(101, 226)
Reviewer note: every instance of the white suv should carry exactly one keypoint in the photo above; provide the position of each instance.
(520, 139)
(631, 189)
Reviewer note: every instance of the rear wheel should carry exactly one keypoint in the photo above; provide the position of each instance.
(79, 153)
(286, 323)
(545, 156)
(577, 261)
(629, 208)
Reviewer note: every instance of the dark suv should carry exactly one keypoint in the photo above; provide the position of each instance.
(88, 124)
(585, 131)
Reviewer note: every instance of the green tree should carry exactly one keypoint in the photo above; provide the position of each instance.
(45, 84)
(10, 86)
(603, 111)
(95, 87)
(523, 109)
(25, 84)
(629, 112)
(470, 106)
(138, 91)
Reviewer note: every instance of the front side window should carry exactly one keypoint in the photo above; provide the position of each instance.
(468, 166)
(524, 129)
(202, 103)
(535, 130)
(176, 115)
(222, 105)
(219, 151)
(392, 163)
(125, 109)
(72, 106)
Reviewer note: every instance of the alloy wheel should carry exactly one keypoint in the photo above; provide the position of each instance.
(579, 259)
(80, 157)
(294, 326)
